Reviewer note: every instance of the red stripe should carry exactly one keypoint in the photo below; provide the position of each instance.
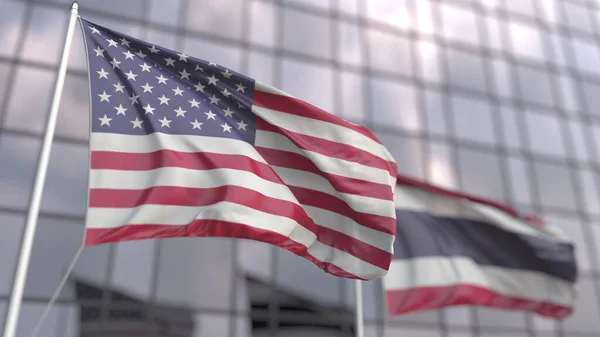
(182, 196)
(340, 183)
(294, 106)
(207, 228)
(407, 181)
(330, 148)
(427, 298)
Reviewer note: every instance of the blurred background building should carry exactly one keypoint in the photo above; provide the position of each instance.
(499, 98)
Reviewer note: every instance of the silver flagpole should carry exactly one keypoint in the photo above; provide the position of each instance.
(360, 331)
(16, 296)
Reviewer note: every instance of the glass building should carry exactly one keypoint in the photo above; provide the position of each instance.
(498, 98)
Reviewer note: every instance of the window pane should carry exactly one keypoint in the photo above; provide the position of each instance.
(524, 7)
(11, 16)
(165, 12)
(254, 258)
(519, 179)
(211, 325)
(300, 79)
(569, 101)
(502, 85)
(440, 168)
(353, 88)
(133, 267)
(459, 24)
(324, 4)
(390, 53)
(436, 113)
(578, 17)
(18, 162)
(203, 281)
(306, 34)
(31, 85)
(535, 86)
(555, 185)
(587, 56)
(496, 318)
(588, 180)
(473, 120)
(349, 43)
(11, 230)
(209, 17)
(225, 56)
(480, 173)
(391, 12)
(408, 153)
(591, 94)
(512, 134)
(430, 65)
(466, 70)
(4, 71)
(46, 34)
(67, 179)
(526, 41)
(459, 315)
(582, 152)
(394, 104)
(261, 67)
(493, 33)
(585, 313)
(73, 116)
(262, 23)
(544, 133)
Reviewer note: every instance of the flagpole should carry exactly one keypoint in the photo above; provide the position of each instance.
(16, 295)
(359, 309)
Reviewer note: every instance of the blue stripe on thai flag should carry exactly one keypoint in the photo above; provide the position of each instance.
(452, 249)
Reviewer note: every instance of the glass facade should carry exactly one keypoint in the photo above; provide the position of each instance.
(497, 98)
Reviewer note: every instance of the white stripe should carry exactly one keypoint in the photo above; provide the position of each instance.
(231, 212)
(321, 129)
(419, 200)
(316, 182)
(161, 141)
(326, 164)
(174, 176)
(450, 271)
(269, 89)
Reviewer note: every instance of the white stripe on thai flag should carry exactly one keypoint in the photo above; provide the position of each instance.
(312, 184)
(452, 249)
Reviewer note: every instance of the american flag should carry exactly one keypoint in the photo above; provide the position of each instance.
(181, 147)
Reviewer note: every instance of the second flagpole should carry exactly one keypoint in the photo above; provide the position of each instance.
(18, 287)
(359, 320)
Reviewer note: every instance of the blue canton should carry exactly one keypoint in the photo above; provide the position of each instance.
(139, 88)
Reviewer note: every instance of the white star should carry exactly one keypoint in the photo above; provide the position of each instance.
(210, 115)
(212, 64)
(170, 61)
(134, 99)
(196, 124)
(104, 96)
(183, 57)
(137, 123)
(242, 125)
(141, 54)
(115, 63)
(178, 92)
(105, 120)
(99, 51)
(214, 100)
(124, 42)
(145, 67)
(226, 74)
(241, 106)
(180, 112)
(130, 75)
(148, 109)
(228, 112)
(226, 127)
(184, 74)
(153, 50)
(198, 67)
(212, 80)
(128, 55)
(199, 87)
(120, 110)
(112, 43)
(240, 87)
(119, 87)
(94, 30)
(162, 79)
(147, 88)
(164, 100)
(102, 74)
(194, 103)
(225, 92)
(165, 122)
